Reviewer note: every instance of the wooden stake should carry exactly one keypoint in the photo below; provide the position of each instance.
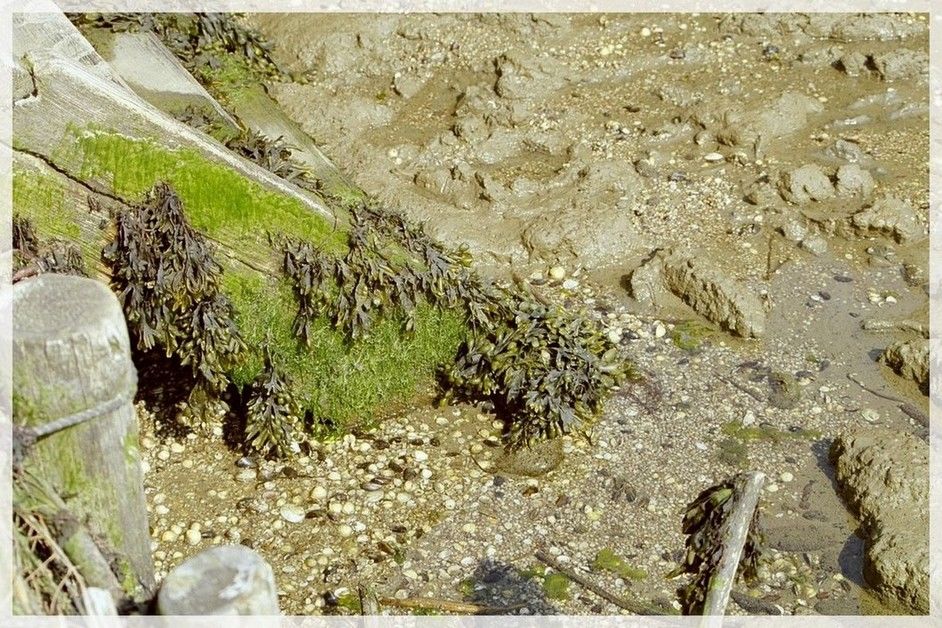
(733, 539)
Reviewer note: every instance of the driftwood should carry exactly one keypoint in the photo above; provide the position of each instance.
(733, 538)
(447, 606)
(632, 606)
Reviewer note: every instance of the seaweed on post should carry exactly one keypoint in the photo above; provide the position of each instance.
(168, 283)
(32, 256)
(273, 415)
(703, 524)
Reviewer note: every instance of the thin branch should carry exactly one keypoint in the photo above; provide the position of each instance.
(638, 608)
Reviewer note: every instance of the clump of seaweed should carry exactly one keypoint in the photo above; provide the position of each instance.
(197, 39)
(703, 524)
(273, 415)
(32, 256)
(545, 369)
(273, 155)
(168, 283)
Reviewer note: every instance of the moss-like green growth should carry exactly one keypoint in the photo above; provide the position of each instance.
(219, 202)
(556, 586)
(765, 432)
(689, 335)
(351, 602)
(41, 199)
(733, 452)
(466, 588)
(231, 79)
(336, 379)
(608, 560)
(533, 571)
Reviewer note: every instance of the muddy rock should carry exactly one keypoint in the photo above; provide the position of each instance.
(901, 64)
(646, 283)
(786, 115)
(715, 296)
(889, 216)
(852, 180)
(407, 85)
(854, 63)
(523, 76)
(805, 184)
(534, 461)
(884, 477)
(910, 359)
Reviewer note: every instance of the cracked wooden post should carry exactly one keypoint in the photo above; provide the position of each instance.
(223, 580)
(734, 533)
(73, 391)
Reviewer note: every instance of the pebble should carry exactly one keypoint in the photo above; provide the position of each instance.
(713, 157)
(345, 531)
(177, 448)
(557, 272)
(193, 536)
(645, 32)
(870, 415)
(786, 477)
(420, 456)
(659, 331)
(292, 513)
(318, 493)
(570, 284)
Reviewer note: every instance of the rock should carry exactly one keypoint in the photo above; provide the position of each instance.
(540, 459)
(407, 85)
(854, 63)
(910, 359)
(891, 217)
(646, 283)
(884, 476)
(715, 296)
(900, 63)
(852, 180)
(847, 151)
(223, 580)
(794, 231)
(815, 244)
(805, 184)
(785, 116)
(292, 513)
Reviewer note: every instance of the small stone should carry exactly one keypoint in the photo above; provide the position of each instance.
(292, 513)
(163, 454)
(177, 448)
(870, 415)
(420, 456)
(645, 32)
(557, 272)
(570, 284)
(318, 493)
(659, 331)
(713, 157)
(345, 531)
(786, 477)
(193, 537)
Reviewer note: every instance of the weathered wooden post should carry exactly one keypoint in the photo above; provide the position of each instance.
(73, 414)
(223, 580)
(734, 533)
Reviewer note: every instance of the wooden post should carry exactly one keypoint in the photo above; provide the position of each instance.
(733, 539)
(72, 358)
(223, 580)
